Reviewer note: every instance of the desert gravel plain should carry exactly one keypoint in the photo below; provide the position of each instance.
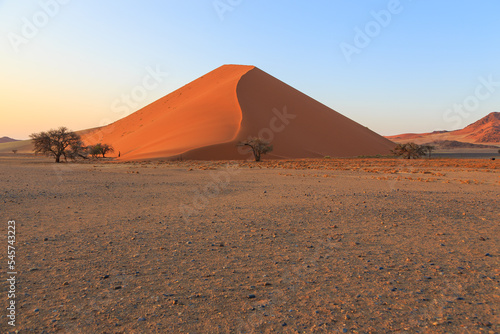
(302, 246)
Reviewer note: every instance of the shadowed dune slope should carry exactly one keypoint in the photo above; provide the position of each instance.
(299, 126)
(208, 117)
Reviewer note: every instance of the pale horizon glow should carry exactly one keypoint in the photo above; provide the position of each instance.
(415, 73)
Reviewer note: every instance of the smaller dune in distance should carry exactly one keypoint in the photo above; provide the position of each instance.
(6, 140)
(484, 131)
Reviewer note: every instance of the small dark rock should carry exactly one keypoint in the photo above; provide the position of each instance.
(251, 296)
(141, 319)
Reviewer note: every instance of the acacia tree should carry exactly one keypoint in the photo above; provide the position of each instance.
(408, 151)
(100, 149)
(258, 146)
(77, 150)
(94, 150)
(105, 149)
(55, 142)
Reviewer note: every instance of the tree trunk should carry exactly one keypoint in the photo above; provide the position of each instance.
(257, 155)
(58, 158)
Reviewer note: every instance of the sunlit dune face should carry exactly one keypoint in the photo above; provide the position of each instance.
(202, 113)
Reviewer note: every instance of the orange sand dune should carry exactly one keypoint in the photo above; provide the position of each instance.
(208, 117)
(204, 112)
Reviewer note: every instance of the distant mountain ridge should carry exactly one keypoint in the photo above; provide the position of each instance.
(484, 131)
(7, 140)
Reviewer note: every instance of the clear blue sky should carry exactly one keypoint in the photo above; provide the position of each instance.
(415, 66)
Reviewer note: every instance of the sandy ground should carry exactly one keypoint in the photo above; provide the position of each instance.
(320, 246)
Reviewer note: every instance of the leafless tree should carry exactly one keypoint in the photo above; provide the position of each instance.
(408, 151)
(258, 146)
(105, 149)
